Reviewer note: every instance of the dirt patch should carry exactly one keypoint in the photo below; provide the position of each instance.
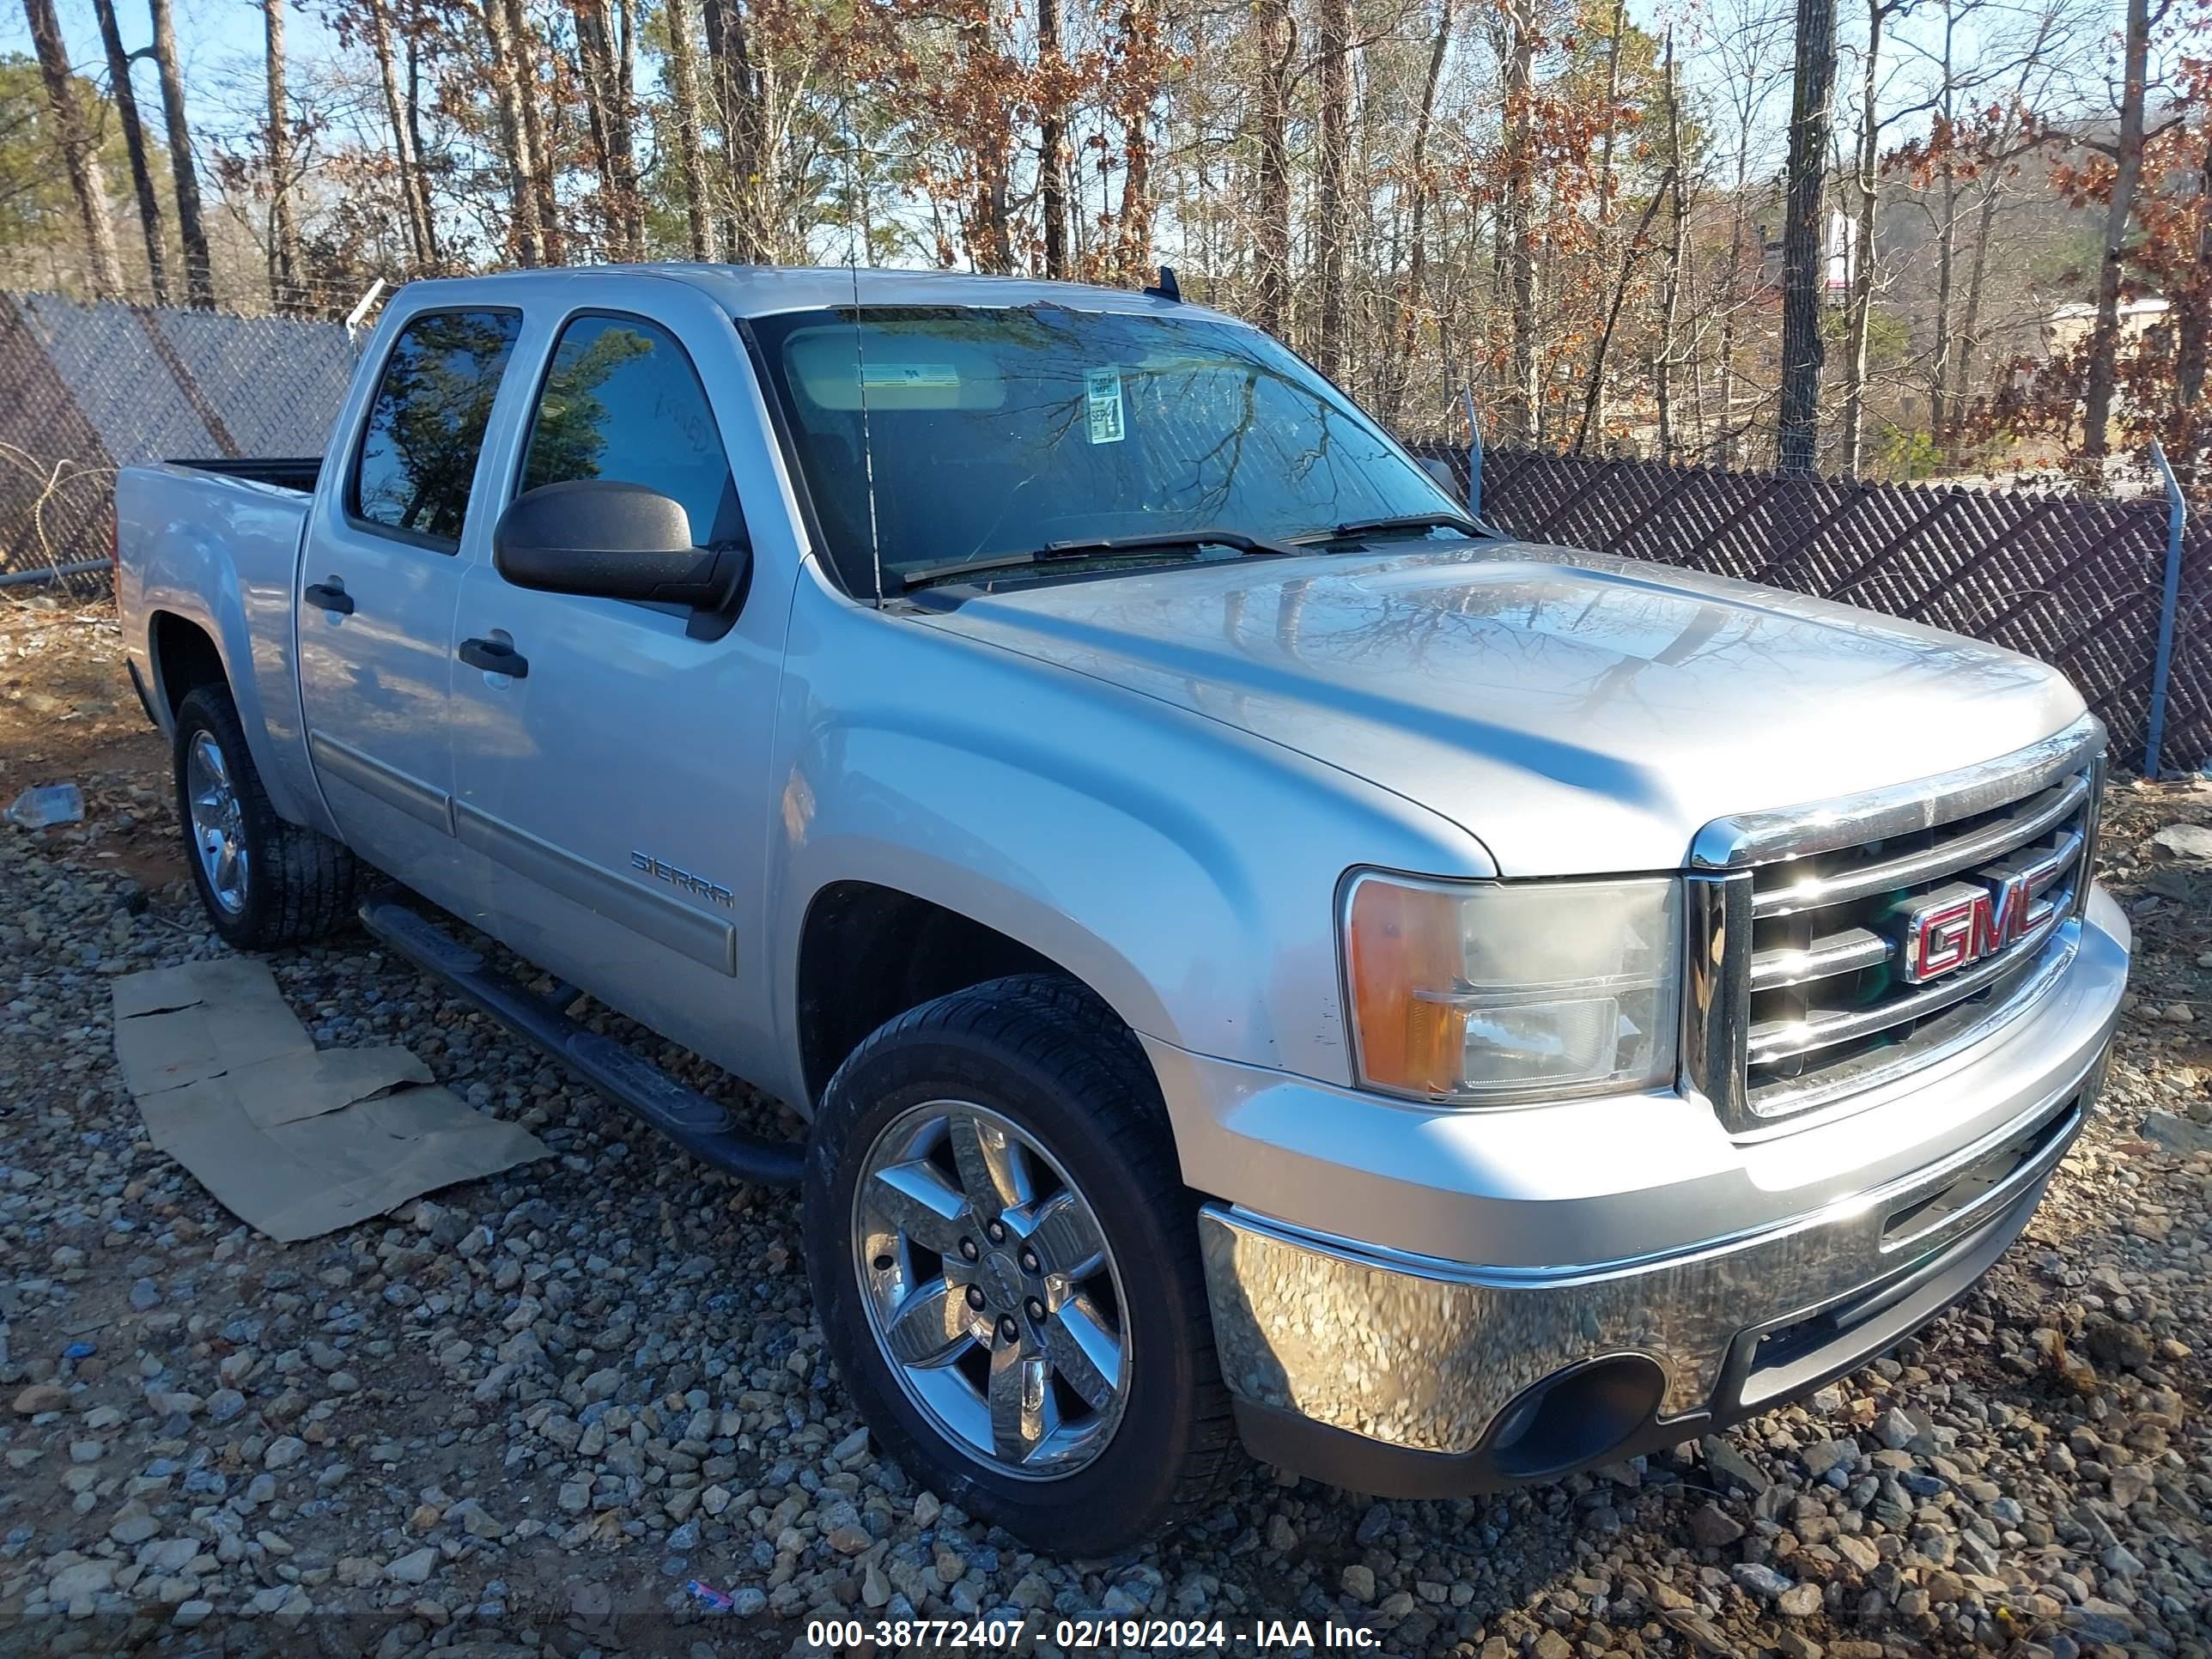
(68, 715)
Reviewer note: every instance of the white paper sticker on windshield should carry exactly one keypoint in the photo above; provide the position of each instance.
(939, 375)
(1102, 392)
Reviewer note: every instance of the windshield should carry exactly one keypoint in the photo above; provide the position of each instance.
(1002, 430)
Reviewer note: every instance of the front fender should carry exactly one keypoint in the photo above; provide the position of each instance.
(1185, 869)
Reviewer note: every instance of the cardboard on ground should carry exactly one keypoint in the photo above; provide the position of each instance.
(294, 1140)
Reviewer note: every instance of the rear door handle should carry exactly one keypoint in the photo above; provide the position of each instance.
(494, 658)
(329, 596)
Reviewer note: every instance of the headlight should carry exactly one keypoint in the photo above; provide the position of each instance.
(1496, 992)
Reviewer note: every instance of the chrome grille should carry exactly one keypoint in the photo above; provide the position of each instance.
(1805, 988)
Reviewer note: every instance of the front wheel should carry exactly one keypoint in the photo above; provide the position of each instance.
(1006, 1266)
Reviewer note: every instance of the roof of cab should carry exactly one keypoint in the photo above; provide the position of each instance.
(763, 290)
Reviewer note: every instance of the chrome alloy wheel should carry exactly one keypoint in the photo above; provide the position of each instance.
(218, 830)
(991, 1290)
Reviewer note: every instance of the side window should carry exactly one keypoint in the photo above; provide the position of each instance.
(622, 402)
(425, 427)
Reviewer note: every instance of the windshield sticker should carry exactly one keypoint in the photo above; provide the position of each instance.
(1102, 392)
(914, 374)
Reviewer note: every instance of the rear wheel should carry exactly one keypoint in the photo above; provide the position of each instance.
(1006, 1265)
(262, 882)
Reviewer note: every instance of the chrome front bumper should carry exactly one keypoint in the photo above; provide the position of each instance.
(1398, 1373)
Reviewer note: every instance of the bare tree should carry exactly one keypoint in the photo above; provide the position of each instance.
(414, 188)
(606, 52)
(528, 238)
(134, 145)
(2127, 154)
(1866, 183)
(1516, 264)
(191, 227)
(1670, 285)
(285, 261)
(80, 155)
(683, 89)
(1608, 135)
(1051, 140)
(1798, 443)
(1333, 27)
(1412, 291)
(1275, 42)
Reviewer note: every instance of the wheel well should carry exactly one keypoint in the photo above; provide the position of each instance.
(869, 953)
(185, 660)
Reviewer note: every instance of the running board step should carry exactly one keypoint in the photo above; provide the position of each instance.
(702, 1127)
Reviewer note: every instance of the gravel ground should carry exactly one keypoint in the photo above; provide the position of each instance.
(517, 1418)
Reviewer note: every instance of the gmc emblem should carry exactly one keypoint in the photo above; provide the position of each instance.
(1959, 924)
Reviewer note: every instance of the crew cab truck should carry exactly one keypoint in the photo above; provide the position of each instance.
(1261, 955)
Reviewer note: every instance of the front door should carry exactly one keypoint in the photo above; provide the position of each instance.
(384, 557)
(611, 797)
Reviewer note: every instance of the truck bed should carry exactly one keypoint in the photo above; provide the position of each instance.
(297, 472)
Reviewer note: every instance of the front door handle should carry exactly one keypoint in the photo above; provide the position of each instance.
(329, 596)
(494, 658)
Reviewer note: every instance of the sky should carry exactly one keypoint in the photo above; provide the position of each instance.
(213, 37)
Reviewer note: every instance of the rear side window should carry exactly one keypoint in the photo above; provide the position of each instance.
(622, 402)
(425, 427)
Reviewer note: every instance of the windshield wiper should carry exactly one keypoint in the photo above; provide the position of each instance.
(1407, 521)
(1098, 547)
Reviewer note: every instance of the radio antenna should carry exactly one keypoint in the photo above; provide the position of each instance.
(859, 345)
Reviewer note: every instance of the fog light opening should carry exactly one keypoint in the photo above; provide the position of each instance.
(1574, 1417)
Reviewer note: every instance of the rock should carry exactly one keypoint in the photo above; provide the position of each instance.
(2175, 1133)
(1713, 1528)
(474, 1521)
(133, 1526)
(83, 1579)
(41, 1397)
(2113, 1343)
(413, 1568)
(1282, 1537)
(1358, 1583)
(2190, 841)
(1825, 1454)
(283, 1451)
(166, 1557)
(192, 1613)
(1731, 1468)
(1759, 1579)
(1799, 1600)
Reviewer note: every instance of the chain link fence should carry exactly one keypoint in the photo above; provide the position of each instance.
(85, 389)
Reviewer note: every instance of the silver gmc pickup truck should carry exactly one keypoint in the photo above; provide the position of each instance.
(1262, 957)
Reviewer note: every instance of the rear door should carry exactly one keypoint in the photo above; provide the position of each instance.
(611, 800)
(387, 545)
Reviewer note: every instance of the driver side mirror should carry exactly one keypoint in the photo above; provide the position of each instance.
(614, 541)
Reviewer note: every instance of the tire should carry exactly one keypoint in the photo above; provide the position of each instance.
(294, 884)
(1043, 1057)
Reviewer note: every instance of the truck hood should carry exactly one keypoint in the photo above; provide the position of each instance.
(1575, 712)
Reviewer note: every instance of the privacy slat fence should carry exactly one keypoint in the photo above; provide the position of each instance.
(85, 389)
